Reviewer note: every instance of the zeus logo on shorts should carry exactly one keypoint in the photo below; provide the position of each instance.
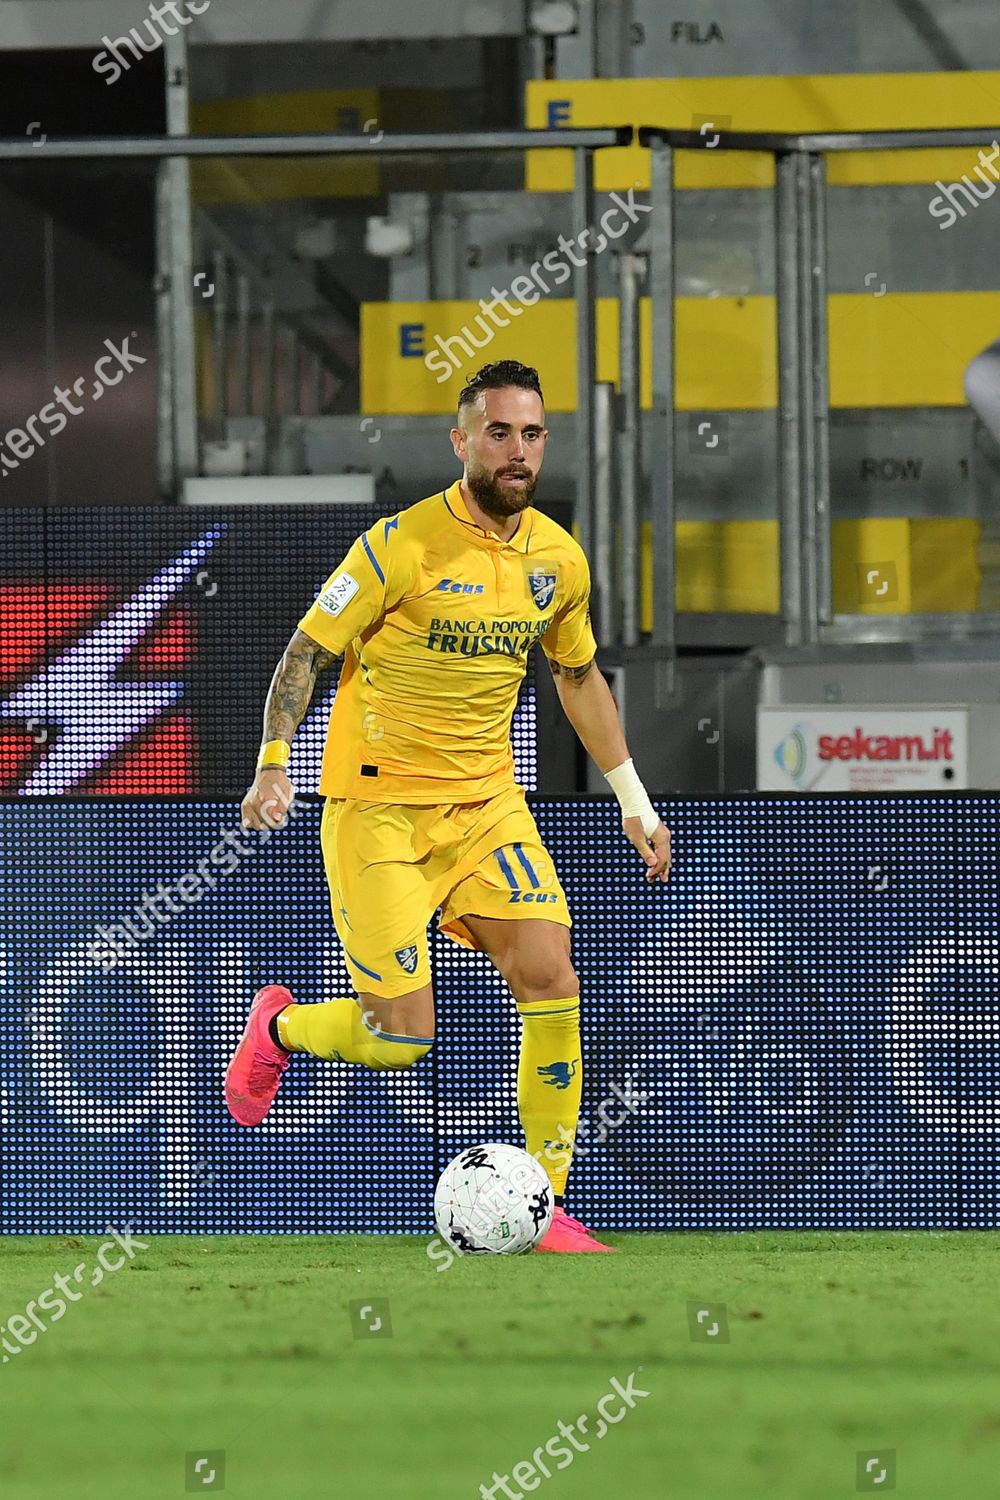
(407, 958)
(339, 594)
(536, 896)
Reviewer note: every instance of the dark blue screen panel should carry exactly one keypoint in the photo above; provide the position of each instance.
(122, 631)
(800, 1030)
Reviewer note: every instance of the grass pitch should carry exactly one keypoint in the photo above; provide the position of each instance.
(838, 1344)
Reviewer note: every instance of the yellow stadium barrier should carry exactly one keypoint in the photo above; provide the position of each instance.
(820, 103)
(923, 566)
(902, 349)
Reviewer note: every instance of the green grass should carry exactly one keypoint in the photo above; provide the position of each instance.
(838, 1342)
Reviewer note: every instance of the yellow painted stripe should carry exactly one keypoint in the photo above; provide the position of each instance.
(257, 179)
(723, 567)
(334, 110)
(270, 179)
(944, 567)
(870, 566)
(734, 567)
(906, 348)
(823, 102)
(901, 349)
(883, 168)
(726, 358)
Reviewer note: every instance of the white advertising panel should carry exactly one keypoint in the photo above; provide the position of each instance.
(864, 748)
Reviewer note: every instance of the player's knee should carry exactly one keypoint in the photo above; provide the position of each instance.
(543, 976)
(393, 1054)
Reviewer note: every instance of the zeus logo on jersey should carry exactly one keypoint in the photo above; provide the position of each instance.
(339, 594)
(449, 586)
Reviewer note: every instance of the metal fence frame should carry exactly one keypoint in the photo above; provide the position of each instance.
(803, 383)
(178, 456)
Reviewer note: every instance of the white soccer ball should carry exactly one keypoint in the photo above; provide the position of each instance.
(493, 1200)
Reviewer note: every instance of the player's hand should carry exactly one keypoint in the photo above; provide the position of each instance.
(265, 806)
(654, 850)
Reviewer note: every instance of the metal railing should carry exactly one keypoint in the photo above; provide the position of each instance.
(803, 384)
(179, 456)
(266, 362)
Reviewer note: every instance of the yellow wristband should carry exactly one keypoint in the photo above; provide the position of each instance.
(274, 753)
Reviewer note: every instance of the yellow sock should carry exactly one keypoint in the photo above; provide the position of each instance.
(550, 1083)
(336, 1031)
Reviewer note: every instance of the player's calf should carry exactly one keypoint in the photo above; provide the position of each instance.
(385, 1035)
(335, 1030)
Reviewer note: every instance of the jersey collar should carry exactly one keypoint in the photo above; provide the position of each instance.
(455, 502)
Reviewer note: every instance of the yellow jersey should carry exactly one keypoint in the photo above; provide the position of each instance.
(435, 617)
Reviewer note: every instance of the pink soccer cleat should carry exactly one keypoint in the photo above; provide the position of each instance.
(566, 1234)
(256, 1068)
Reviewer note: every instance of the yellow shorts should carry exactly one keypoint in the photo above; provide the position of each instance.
(390, 867)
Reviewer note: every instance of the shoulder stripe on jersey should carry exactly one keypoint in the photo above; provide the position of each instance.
(511, 878)
(526, 866)
(373, 559)
(392, 525)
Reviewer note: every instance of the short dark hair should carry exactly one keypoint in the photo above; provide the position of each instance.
(494, 377)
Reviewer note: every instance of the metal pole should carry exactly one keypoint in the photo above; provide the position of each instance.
(316, 383)
(443, 241)
(585, 292)
(489, 143)
(293, 383)
(821, 392)
(662, 293)
(164, 340)
(181, 264)
(603, 556)
(220, 343)
(630, 272)
(789, 397)
(807, 431)
(588, 32)
(243, 343)
(268, 359)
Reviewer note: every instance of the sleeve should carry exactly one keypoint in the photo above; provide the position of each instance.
(357, 594)
(569, 640)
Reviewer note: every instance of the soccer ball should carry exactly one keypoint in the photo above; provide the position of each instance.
(493, 1200)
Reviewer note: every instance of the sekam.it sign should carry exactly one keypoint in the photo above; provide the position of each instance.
(862, 749)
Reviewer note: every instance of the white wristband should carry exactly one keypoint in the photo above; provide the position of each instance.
(633, 798)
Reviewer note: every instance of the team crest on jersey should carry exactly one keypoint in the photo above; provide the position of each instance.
(542, 583)
(407, 958)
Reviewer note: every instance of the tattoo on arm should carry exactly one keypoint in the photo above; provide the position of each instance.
(571, 674)
(292, 686)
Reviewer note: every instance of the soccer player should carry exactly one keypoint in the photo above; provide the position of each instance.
(434, 612)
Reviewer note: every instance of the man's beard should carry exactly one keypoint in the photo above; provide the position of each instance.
(499, 500)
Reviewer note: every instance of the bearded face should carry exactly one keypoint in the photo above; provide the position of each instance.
(501, 492)
(501, 443)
